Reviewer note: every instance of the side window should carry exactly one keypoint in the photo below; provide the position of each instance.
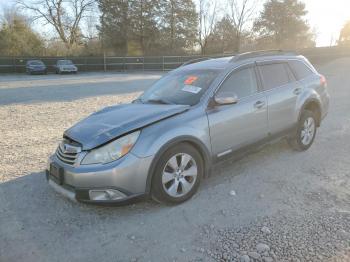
(300, 69)
(242, 83)
(274, 75)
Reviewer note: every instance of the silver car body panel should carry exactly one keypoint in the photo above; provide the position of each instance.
(247, 124)
(114, 121)
(215, 131)
(127, 173)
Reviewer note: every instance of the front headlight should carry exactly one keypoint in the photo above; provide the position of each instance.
(112, 151)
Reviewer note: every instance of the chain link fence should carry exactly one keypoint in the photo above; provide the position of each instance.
(150, 63)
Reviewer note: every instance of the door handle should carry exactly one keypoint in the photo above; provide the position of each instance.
(297, 91)
(259, 104)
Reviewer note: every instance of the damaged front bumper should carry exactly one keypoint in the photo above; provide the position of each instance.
(121, 182)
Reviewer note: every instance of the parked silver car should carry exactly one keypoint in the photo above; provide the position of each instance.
(65, 66)
(36, 67)
(165, 142)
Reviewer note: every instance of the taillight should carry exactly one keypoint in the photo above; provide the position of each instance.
(323, 81)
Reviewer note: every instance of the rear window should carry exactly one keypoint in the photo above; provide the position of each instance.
(274, 75)
(300, 69)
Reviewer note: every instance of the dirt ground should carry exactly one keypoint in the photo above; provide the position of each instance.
(273, 205)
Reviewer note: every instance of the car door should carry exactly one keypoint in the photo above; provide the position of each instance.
(282, 91)
(237, 125)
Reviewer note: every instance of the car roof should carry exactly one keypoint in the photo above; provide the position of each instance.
(244, 58)
(215, 63)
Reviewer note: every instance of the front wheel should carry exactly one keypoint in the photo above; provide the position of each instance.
(306, 132)
(178, 174)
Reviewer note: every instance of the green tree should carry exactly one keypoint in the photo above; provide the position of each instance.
(180, 23)
(144, 17)
(282, 25)
(129, 27)
(114, 25)
(147, 27)
(17, 38)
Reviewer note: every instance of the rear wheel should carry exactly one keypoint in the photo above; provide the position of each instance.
(178, 174)
(306, 132)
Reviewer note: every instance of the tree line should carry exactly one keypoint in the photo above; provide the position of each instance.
(155, 27)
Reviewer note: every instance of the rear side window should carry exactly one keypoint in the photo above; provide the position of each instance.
(274, 75)
(242, 83)
(300, 69)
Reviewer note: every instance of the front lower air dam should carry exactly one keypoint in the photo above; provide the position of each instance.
(106, 194)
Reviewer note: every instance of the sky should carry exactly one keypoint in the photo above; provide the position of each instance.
(326, 17)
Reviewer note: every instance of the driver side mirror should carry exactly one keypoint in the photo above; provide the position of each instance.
(226, 98)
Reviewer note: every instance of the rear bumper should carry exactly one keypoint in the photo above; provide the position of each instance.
(126, 178)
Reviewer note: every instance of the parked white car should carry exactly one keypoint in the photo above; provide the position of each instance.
(65, 66)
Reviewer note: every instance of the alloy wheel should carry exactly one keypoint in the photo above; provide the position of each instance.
(179, 175)
(308, 131)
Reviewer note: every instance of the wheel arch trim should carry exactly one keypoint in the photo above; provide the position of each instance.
(202, 149)
(311, 101)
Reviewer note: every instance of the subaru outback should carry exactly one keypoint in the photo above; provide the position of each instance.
(165, 142)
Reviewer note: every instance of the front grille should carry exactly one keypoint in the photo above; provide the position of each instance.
(67, 152)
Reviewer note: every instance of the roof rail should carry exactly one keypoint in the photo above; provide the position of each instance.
(260, 53)
(197, 60)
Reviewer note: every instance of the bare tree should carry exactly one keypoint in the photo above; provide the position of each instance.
(64, 16)
(241, 13)
(207, 17)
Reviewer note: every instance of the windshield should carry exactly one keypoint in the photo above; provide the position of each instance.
(65, 62)
(35, 63)
(183, 87)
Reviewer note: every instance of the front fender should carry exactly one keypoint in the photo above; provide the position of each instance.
(193, 123)
(190, 127)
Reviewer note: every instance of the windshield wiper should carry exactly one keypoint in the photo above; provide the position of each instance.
(159, 101)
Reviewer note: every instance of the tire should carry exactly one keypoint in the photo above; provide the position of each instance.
(168, 183)
(300, 141)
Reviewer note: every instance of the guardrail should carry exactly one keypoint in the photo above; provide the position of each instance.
(150, 63)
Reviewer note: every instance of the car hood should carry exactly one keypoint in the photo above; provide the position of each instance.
(114, 121)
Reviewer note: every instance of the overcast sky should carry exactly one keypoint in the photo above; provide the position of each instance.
(327, 17)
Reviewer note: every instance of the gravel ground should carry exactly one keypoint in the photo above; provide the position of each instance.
(34, 112)
(273, 205)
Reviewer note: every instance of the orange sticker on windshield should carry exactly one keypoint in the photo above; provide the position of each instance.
(190, 80)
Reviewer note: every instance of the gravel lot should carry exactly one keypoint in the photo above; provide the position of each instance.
(273, 205)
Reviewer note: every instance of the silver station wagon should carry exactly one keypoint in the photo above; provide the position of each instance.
(164, 143)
